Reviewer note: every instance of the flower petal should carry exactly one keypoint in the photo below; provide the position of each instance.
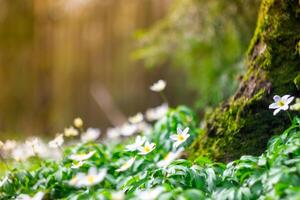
(185, 131)
(285, 97)
(273, 106)
(179, 130)
(276, 98)
(276, 111)
(289, 100)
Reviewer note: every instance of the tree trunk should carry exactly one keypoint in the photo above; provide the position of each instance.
(244, 124)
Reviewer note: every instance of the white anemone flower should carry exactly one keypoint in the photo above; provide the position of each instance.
(180, 137)
(71, 132)
(9, 145)
(91, 134)
(57, 142)
(128, 129)
(82, 156)
(158, 86)
(138, 118)
(93, 177)
(77, 165)
(170, 157)
(139, 141)
(37, 196)
(147, 148)
(1, 144)
(281, 103)
(113, 133)
(78, 123)
(151, 194)
(76, 180)
(126, 165)
(157, 113)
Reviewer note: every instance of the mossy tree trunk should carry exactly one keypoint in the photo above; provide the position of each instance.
(244, 123)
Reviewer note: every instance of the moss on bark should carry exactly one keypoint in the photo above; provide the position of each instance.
(243, 124)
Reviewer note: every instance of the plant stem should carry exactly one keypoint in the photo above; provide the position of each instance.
(163, 96)
(290, 117)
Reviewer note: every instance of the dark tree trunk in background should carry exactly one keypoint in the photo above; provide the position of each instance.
(244, 124)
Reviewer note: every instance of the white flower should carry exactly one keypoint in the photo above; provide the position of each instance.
(145, 128)
(151, 194)
(118, 195)
(21, 152)
(9, 145)
(91, 134)
(157, 113)
(126, 165)
(78, 123)
(170, 157)
(77, 179)
(158, 86)
(180, 137)
(296, 106)
(93, 177)
(82, 156)
(71, 131)
(128, 129)
(138, 118)
(139, 141)
(281, 103)
(147, 148)
(77, 165)
(37, 196)
(113, 133)
(36, 145)
(57, 142)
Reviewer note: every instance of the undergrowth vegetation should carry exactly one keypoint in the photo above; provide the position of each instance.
(152, 167)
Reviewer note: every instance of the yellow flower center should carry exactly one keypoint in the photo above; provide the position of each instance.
(280, 103)
(180, 138)
(147, 149)
(91, 179)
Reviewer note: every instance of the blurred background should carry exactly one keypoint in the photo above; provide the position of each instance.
(60, 59)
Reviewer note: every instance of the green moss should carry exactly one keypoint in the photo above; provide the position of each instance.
(244, 124)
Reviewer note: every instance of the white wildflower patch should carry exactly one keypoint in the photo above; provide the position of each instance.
(157, 113)
(57, 142)
(91, 134)
(128, 129)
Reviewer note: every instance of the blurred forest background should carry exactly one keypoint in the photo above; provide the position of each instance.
(60, 59)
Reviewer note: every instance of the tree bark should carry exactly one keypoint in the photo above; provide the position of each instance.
(244, 124)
